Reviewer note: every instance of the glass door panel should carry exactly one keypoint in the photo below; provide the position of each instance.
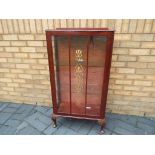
(96, 61)
(78, 73)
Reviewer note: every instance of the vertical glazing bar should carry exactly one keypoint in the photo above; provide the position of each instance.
(69, 45)
(87, 73)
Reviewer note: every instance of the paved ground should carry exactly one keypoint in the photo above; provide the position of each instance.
(23, 119)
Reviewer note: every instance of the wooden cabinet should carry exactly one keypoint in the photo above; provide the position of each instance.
(79, 66)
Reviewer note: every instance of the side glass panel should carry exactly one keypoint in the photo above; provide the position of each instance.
(61, 58)
(96, 60)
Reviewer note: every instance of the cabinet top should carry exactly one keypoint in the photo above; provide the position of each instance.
(80, 29)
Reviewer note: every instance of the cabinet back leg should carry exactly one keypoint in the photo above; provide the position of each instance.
(54, 122)
(102, 124)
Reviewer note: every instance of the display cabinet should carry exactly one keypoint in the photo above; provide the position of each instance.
(79, 66)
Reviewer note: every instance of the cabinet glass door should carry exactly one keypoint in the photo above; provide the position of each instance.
(79, 67)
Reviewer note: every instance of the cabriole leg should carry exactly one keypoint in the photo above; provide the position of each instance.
(54, 122)
(102, 124)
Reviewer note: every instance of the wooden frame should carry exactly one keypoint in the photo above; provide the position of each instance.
(109, 34)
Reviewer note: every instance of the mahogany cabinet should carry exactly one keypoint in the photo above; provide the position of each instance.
(79, 66)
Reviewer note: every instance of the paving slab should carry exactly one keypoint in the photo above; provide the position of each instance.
(41, 109)
(61, 130)
(147, 128)
(50, 130)
(122, 131)
(71, 132)
(25, 108)
(44, 119)
(21, 126)
(86, 127)
(14, 105)
(12, 123)
(20, 116)
(7, 130)
(9, 110)
(3, 105)
(37, 124)
(4, 117)
(76, 125)
(49, 112)
(146, 121)
(28, 131)
(94, 130)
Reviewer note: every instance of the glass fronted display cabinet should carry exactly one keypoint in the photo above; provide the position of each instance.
(79, 66)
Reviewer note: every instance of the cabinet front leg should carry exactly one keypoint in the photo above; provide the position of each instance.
(54, 122)
(102, 124)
